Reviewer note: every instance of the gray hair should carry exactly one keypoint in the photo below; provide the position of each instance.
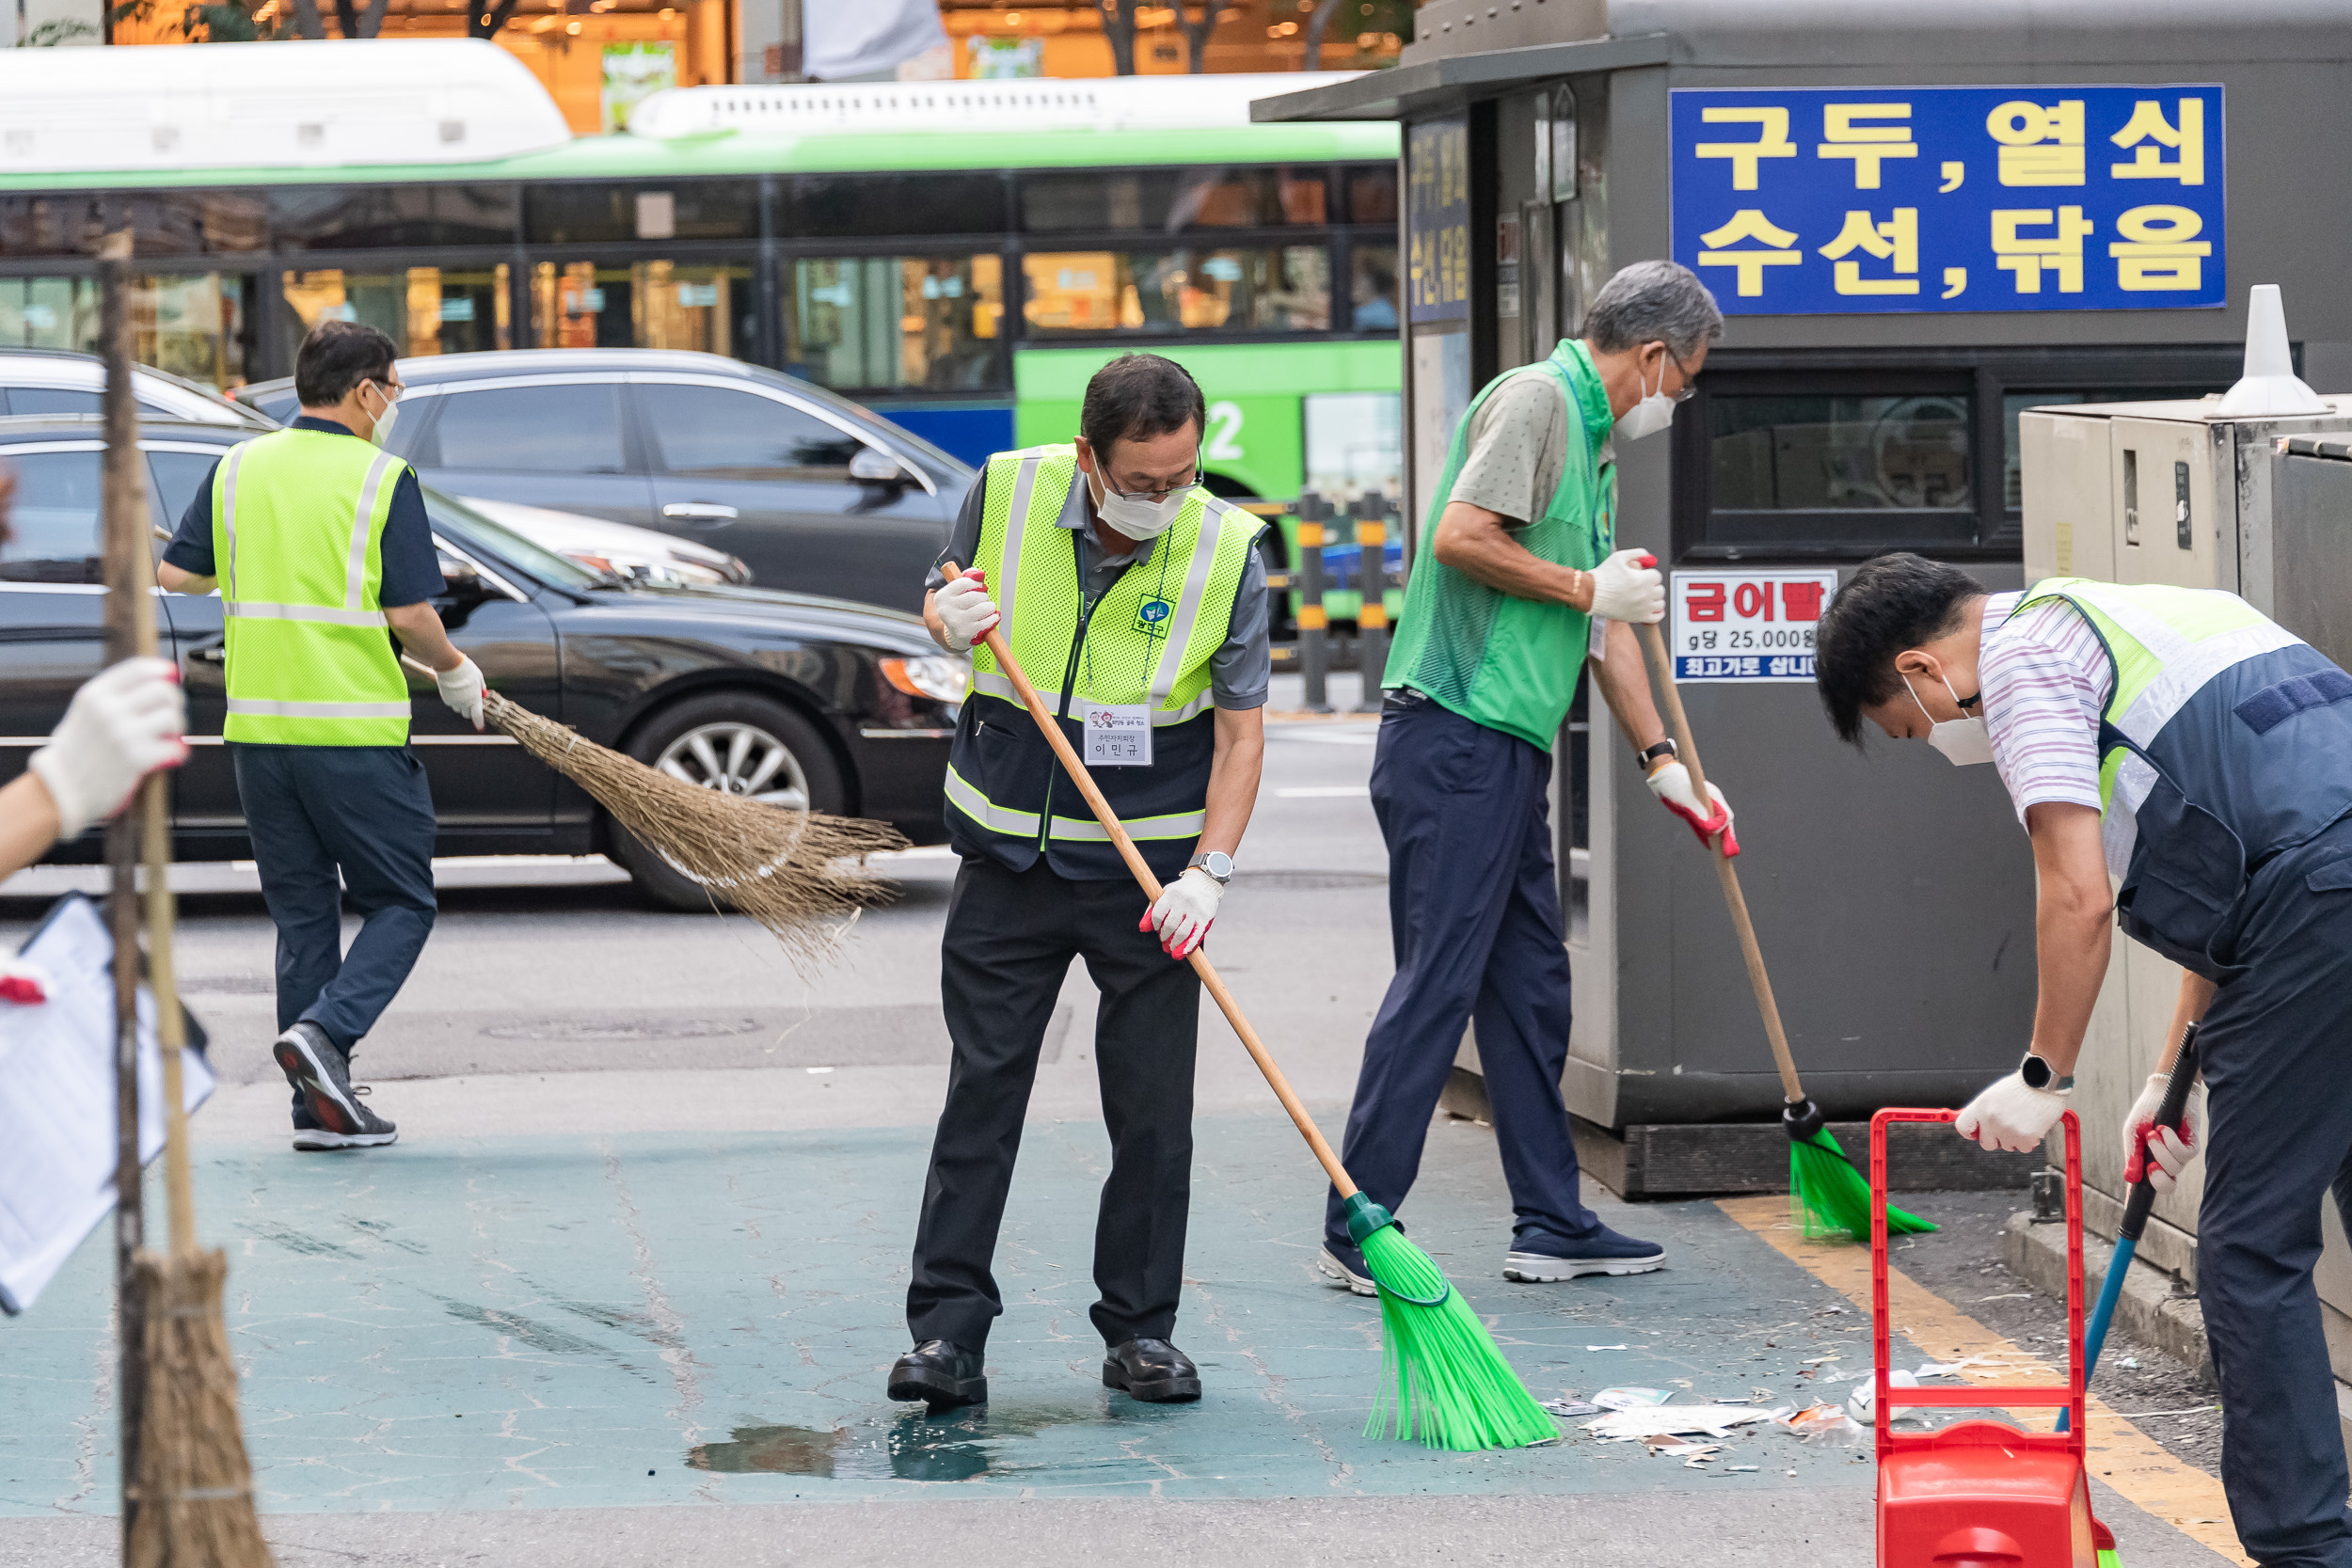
(1653, 302)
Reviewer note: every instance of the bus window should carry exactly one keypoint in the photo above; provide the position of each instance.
(582, 212)
(1372, 287)
(346, 217)
(858, 206)
(163, 223)
(1168, 200)
(644, 305)
(424, 309)
(1285, 290)
(883, 322)
(1372, 195)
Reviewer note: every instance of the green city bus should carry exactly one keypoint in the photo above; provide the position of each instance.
(958, 261)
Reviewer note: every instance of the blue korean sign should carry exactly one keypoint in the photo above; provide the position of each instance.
(1811, 200)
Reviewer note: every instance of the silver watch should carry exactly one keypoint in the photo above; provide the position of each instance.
(1219, 864)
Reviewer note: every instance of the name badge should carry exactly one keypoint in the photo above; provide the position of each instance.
(1118, 734)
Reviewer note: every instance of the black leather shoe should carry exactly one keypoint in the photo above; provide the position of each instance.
(942, 1375)
(1152, 1371)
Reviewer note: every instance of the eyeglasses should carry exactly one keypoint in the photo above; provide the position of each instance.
(1109, 489)
(1690, 386)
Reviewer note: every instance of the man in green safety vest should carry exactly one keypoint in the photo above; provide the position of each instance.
(2180, 742)
(1134, 601)
(1519, 580)
(318, 541)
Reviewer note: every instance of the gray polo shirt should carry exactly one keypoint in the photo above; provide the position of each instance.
(1239, 672)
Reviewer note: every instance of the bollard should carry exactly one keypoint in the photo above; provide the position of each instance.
(1372, 616)
(1314, 642)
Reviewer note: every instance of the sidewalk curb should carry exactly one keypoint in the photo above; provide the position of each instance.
(2148, 1310)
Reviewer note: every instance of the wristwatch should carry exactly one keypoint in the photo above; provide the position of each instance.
(2039, 1074)
(1648, 754)
(1219, 864)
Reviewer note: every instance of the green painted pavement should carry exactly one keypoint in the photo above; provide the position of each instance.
(542, 1321)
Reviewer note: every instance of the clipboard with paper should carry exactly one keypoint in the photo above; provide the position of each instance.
(57, 1099)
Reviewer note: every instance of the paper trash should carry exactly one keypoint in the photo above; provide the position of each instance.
(1672, 1420)
(58, 1101)
(1631, 1399)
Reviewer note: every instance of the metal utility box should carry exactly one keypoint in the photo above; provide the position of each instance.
(2179, 493)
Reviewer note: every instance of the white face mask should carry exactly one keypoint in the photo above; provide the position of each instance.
(1654, 413)
(1963, 741)
(384, 422)
(1134, 516)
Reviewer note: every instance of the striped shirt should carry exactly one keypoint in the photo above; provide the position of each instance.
(2046, 679)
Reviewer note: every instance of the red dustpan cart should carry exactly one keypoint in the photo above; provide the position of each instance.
(1983, 1493)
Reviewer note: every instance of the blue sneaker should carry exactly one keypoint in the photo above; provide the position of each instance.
(1342, 1264)
(1539, 1258)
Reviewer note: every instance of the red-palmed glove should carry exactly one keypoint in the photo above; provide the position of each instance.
(2162, 1153)
(24, 983)
(1185, 910)
(1670, 781)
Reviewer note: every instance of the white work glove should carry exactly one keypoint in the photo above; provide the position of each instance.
(462, 688)
(1628, 587)
(1187, 909)
(2161, 1153)
(965, 612)
(123, 724)
(1670, 781)
(2010, 1115)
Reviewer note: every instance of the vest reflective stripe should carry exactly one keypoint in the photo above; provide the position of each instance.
(1015, 524)
(250, 610)
(1074, 829)
(991, 682)
(262, 708)
(299, 520)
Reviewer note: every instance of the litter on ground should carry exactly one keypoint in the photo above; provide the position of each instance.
(1715, 1420)
(1630, 1399)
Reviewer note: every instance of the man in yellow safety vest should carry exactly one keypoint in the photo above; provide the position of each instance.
(318, 541)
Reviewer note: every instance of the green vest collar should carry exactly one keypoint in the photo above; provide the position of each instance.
(1592, 398)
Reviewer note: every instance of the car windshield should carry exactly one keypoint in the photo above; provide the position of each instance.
(469, 525)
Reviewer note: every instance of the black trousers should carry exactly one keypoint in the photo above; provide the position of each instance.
(1010, 937)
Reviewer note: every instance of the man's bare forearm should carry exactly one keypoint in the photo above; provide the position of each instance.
(2073, 935)
(1478, 544)
(421, 632)
(1234, 770)
(2197, 994)
(1624, 682)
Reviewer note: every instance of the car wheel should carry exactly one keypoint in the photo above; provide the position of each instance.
(745, 745)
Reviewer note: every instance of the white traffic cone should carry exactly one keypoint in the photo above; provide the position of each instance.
(2269, 384)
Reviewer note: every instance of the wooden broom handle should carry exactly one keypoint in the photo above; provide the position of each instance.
(1128, 852)
(1654, 648)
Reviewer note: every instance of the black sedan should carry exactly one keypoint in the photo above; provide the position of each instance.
(816, 494)
(798, 700)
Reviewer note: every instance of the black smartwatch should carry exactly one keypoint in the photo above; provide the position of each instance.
(2039, 1074)
(1648, 754)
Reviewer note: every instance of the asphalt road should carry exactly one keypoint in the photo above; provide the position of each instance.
(624, 1293)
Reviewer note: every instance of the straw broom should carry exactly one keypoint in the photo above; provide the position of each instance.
(1442, 1380)
(188, 1489)
(793, 872)
(1827, 1197)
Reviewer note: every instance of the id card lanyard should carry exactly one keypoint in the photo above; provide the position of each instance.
(1118, 734)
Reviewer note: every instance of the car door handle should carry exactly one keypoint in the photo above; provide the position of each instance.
(212, 654)
(701, 512)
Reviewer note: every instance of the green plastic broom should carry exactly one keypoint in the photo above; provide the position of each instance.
(1442, 1379)
(1827, 1196)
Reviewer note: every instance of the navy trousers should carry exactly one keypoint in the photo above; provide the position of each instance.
(2276, 1048)
(1474, 914)
(331, 820)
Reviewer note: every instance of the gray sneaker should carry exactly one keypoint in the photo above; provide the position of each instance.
(322, 1075)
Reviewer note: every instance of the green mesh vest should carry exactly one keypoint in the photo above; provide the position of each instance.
(1510, 663)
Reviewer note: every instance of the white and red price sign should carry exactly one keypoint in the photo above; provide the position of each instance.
(1746, 626)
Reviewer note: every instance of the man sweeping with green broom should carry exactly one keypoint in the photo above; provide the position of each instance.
(1520, 574)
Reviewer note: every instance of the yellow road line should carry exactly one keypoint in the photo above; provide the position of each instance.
(2122, 1455)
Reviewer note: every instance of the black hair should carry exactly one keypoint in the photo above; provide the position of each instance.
(1136, 397)
(336, 357)
(1893, 603)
